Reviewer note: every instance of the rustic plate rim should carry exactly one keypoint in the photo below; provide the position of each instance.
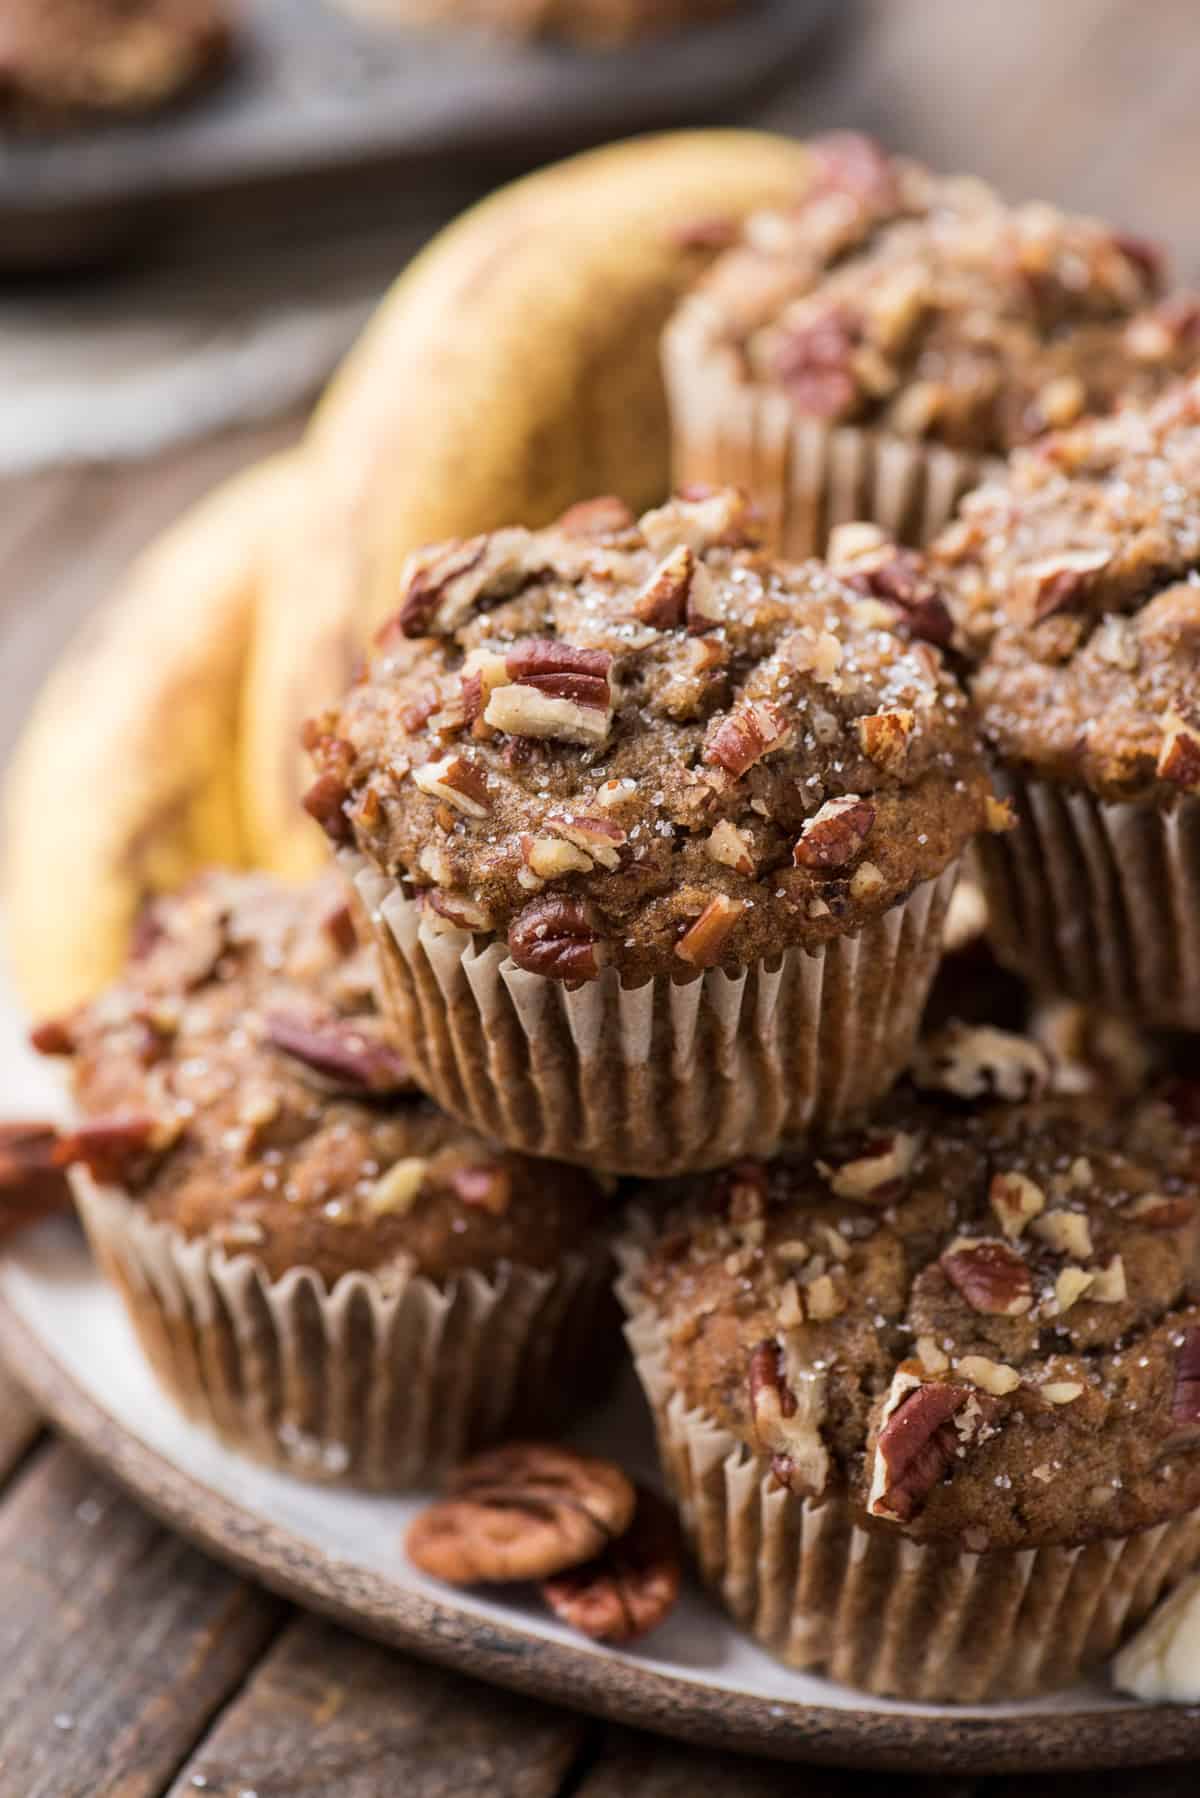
(619, 1689)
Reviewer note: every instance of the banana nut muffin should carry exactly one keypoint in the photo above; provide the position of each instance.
(1074, 582)
(631, 799)
(865, 354)
(73, 58)
(245, 1118)
(595, 24)
(931, 1402)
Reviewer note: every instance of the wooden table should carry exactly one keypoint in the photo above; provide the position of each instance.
(130, 1665)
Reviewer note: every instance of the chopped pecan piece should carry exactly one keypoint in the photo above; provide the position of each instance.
(1160, 1211)
(521, 1512)
(487, 1187)
(1179, 757)
(746, 736)
(700, 518)
(32, 1183)
(851, 163)
(457, 781)
(599, 838)
(834, 835)
(1057, 582)
(770, 1396)
(53, 1036)
(632, 1586)
(869, 562)
(325, 801)
(397, 1191)
(111, 1148)
(1185, 1392)
(341, 1050)
(554, 937)
(996, 1377)
(814, 361)
(704, 942)
(731, 847)
(459, 909)
(884, 738)
(743, 1192)
(1065, 1232)
(1016, 1200)
(606, 516)
(877, 1175)
(991, 1277)
(443, 585)
(338, 925)
(552, 858)
(926, 1425)
(554, 690)
(975, 1061)
(662, 602)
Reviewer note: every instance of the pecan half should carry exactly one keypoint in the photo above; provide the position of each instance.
(1179, 757)
(629, 1589)
(834, 835)
(975, 1061)
(112, 1148)
(746, 736)
(884, 738)
(521, 1512)
(992, 1278)
(325, 801)
(32, 1183)
(554, 937)
(703, 943)
(926, 1426)
(342, 1050)
(662, 602)
(606, 516)
(1185, 1393)
(555, 690)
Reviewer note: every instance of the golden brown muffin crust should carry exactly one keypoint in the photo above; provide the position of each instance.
(1022, 1270)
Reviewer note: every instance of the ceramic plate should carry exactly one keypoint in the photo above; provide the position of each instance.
(65, 1337)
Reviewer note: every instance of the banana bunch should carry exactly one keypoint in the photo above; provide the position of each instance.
(512, 370)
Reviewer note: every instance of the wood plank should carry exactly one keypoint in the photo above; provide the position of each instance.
(19, 1425)
(631, 1765)
(117, 1642)
(333, 1717)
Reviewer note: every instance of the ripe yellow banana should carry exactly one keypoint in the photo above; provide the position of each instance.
(512, 370)
(125, 779)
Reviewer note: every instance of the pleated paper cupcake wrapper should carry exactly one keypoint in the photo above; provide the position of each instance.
(871, 1608)
(667, 1077)
(804, 475)
(1099, 901)
(371, 1384)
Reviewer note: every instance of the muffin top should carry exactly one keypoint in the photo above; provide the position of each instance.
(238, 1083)
(926, 306)
(646, 745)
(1074, 582)
(978, 1321)
(61, 58)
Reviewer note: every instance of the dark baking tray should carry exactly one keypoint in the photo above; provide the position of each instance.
(315, 92)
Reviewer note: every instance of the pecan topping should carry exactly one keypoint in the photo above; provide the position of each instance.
(834, 835)
(877, 1175)
(703, 944)
(599, 838)
(884, 737)
(1185, 1394)
(743, 1191)
(1016, 1200)
(488, 1188)
(458, 909)
(662, 602)
(606, 516)
(815, 362)
(53, 1037)
(1158, 1211)
(975, 1061)
(521, 1512)
(851, 163)
(632, 1586)
(445, 584)
(1179, 757)
(112, 1147)
(869, 562)
(746, 736)
(551, 858)
(458, 781)
(731, 847)
(338, 925)
(991, 1277)
(1056, 583)
(700, 518)
(325, 801)
(770, 1397)
(341, 1050)
(926, 1427)
(32, 1184)
(556, 691)
(554, 937)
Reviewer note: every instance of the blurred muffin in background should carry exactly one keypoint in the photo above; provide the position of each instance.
(63, 60)
(596, 24)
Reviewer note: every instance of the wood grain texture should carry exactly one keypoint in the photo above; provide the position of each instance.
(629, 1765)
(329, 1716)
(19, 1426)
(117, 1641)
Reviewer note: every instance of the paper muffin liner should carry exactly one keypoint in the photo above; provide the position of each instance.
(668, 1077)
(1099, 901)
(379, 1382)
(804, 475)
(871, 1608)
